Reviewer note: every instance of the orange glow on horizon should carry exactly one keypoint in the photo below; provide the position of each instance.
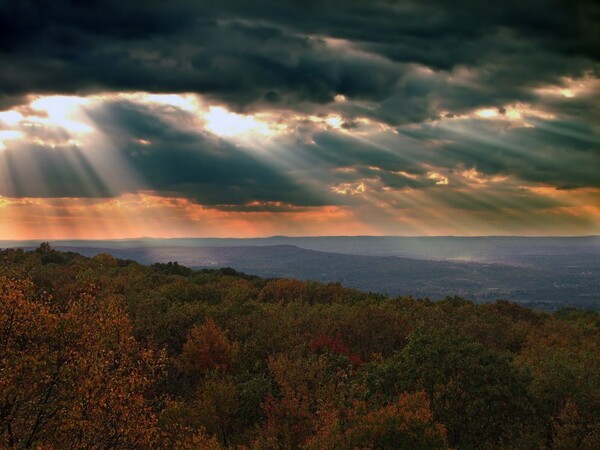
(136, 215)
(148, 215)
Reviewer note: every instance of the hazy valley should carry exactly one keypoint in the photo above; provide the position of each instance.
(545, 273)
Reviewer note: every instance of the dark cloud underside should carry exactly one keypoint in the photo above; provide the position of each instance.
(251, 53)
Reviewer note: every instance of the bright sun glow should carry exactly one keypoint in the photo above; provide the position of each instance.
(487, 113)
(334, 121)
(62, 111)
(6, 135)
(10, 118)
(224, 123)
(184, 102)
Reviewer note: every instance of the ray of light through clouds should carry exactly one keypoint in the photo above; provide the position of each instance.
(120, 119)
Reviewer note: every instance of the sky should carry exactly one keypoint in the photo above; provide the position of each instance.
(256, 118)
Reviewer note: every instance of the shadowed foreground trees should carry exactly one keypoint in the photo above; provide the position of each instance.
(478, 394)
(105, 353)
(72, 374)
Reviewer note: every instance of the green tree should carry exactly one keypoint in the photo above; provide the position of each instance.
(563, 358)
(479, 395)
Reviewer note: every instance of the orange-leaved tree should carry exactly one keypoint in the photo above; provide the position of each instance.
(405, 424)
(207, 348)
(73, 376)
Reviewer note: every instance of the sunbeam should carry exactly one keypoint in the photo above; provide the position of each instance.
(85, 173)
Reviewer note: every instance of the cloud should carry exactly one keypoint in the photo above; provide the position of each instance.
(554, 152)
(134, 148)
(135, 144)
(391, 109)
(300, 55)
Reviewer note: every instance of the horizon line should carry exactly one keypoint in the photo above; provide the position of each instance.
(148, 238)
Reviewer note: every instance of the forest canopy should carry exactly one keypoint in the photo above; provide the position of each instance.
(107, 353)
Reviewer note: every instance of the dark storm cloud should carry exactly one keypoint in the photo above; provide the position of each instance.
(164, 158)
(256, 53)
(195, 164)
(237, 62)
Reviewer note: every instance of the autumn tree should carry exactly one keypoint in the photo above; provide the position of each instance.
(324, 343)
(216, 406)
(279, 364)
(207, 348)
(405, 424)
(306, 387)
(73, 375)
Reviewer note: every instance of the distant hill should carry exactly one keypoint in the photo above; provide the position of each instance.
(483, 249)
(543, 280)
(542, 272)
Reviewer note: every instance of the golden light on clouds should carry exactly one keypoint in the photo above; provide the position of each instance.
(571, 87)
(437, 177)
(7, 135)
(185, 102)
(61, 111)
(350, 188)
(475, 177)
(224, 123)
(431, 200)
(487, 113)
(515, 115)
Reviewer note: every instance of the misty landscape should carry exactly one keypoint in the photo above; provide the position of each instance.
(542, 273)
